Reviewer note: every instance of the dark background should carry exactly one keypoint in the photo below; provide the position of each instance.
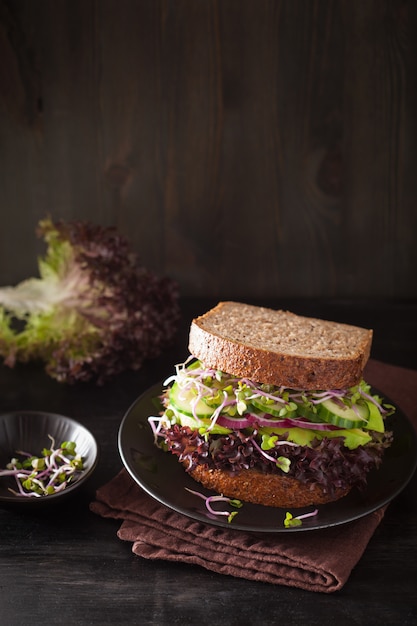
(248, 148)
(255, 149)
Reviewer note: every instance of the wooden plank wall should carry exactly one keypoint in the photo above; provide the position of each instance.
(245, 147)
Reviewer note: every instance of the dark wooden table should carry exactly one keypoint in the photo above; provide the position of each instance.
(68, 567)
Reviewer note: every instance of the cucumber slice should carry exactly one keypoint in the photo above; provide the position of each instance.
(344, 416)
(201, 424)
(307, 412)
(273, 408)
(184, 400)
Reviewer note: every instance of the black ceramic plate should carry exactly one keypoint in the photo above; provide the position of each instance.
(163, 478)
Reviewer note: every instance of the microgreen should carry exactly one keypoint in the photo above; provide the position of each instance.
(284, 464)
(291, 521)
(49, 473)
(268, 442)
(209, 500)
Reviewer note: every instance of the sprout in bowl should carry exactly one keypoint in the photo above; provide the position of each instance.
(43, 457)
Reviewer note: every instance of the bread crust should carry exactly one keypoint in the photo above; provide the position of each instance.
(300, 352)
(266, 489)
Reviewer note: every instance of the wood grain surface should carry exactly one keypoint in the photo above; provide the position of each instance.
(247, 148)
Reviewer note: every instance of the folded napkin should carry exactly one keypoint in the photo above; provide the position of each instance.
(320, 560)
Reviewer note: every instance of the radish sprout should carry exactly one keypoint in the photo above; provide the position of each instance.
(50, 473)
(210, 499)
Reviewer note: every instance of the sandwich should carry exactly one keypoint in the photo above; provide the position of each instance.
(272, 408)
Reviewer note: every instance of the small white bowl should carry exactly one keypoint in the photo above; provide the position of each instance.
(29, 431)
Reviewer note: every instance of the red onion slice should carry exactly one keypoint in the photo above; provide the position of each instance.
(265, 420)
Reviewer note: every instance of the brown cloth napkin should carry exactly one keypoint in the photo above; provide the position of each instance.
(320, 560)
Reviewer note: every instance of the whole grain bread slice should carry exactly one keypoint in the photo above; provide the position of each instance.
(253, 486)
(279, 347)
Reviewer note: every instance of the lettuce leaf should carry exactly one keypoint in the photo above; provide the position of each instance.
(93, 312)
